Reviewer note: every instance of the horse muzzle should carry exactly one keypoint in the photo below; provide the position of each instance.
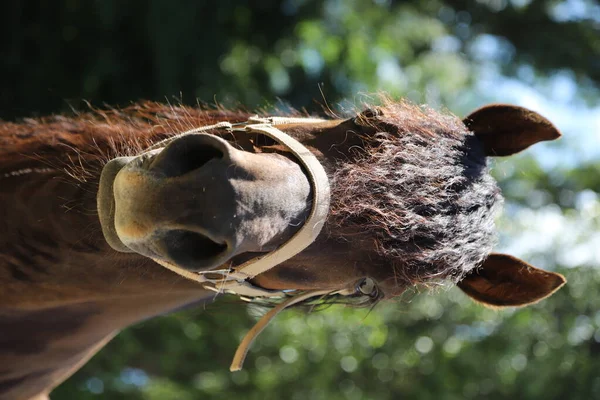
(199, 202)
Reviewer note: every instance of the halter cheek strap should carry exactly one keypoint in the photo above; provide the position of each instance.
(237, 281)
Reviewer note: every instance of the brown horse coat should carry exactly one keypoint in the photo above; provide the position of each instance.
(412, 203)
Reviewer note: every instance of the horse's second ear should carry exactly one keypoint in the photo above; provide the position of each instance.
(505, 281)
(506, 130)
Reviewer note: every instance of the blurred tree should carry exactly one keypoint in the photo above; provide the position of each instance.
(239, 52)
(234, 51)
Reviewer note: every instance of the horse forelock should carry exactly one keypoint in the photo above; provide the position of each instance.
(419, 191)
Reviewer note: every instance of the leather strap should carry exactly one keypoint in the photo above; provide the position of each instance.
(244, 346)
(318, 214)
(236, 281)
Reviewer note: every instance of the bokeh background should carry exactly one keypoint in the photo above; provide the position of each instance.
(315, 54)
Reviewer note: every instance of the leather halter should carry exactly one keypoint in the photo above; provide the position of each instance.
(237, 281)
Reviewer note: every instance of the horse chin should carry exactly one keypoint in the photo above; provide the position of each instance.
(106, 203)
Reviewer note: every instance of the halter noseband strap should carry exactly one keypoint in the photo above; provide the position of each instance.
(236, 281)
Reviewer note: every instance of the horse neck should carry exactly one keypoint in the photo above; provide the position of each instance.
(41, 348)
(52, 245)
(64, 291)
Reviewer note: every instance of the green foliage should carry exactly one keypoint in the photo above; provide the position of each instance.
(233, 52)
(424, 346)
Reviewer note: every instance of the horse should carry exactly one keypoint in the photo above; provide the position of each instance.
(112, 216)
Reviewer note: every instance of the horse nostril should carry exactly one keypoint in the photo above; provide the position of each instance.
(192, 250)
(184, 155)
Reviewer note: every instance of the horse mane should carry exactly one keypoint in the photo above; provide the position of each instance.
(83, 142)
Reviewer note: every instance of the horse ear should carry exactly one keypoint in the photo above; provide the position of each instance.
(506, 130)
(505, 281)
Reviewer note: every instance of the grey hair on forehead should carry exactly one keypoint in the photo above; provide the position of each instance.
(421, 190)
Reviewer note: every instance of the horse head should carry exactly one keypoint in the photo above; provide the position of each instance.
(287, 211)
(412, 202)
